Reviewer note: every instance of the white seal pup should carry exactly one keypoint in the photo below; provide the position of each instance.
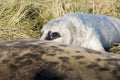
(92, 31)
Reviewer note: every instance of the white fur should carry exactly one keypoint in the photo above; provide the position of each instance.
(86, 30)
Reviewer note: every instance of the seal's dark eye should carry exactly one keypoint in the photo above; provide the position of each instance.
(52, 35)
(55, 35)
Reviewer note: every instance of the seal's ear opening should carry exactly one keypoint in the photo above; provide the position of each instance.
(52, 35)
(48, 74)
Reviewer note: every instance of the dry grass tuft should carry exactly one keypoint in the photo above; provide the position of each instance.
(115, 49)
